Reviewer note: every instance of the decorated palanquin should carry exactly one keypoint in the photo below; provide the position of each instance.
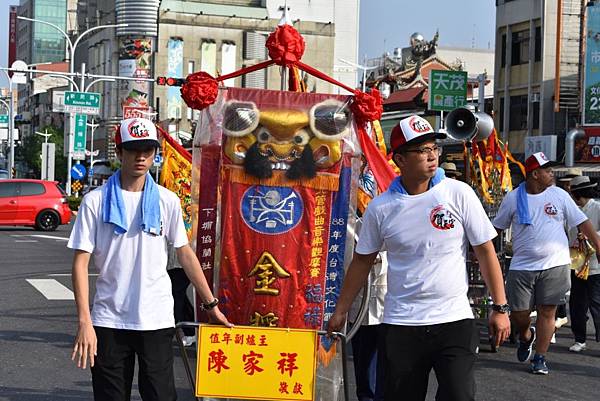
(275, 182)
(275, 171)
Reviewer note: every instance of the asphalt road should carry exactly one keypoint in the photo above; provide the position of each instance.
(36, 335)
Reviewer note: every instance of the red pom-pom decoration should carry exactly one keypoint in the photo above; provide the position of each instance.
(367, 106)
(285, 45)
(200, 90)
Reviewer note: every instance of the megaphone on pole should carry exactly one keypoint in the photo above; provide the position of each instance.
(465, 125)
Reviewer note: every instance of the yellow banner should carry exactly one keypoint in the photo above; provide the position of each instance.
(256, 363)
(176, 175)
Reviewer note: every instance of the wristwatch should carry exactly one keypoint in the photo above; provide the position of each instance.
(210, 305)
(504, 308)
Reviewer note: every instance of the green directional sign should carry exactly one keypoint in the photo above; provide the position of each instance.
(80, 131)
(447, 90)
(82, 102)
(3, 118)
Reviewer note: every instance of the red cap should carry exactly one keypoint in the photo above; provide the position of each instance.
(413, 129)
(536, 161)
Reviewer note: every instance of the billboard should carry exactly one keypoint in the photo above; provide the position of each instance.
(174, 69)
(591, 78)
(135, 61)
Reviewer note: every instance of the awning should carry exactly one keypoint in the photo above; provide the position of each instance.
(404, 95)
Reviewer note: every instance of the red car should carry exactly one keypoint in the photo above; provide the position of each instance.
(37, 203)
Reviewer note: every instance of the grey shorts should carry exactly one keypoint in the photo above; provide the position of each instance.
(538, 287)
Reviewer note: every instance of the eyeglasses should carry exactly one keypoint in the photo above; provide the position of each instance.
(426, 150)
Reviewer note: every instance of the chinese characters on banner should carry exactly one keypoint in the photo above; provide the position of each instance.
(447, 90)
(256, 363)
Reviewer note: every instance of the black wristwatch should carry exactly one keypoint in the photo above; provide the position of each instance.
(504, 308)
(210, 305)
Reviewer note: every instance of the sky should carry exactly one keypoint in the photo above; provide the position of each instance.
(386, 24)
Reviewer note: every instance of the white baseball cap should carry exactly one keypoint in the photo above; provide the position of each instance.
(412, 130)
(538, 160)
(136, 133)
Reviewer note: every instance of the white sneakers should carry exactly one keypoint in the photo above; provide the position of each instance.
(560, 322)
(188, 340)
(577, 347)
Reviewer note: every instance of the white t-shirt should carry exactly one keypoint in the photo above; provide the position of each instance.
(543, 244)
(592, 211)
(426, 237)
(133, 289)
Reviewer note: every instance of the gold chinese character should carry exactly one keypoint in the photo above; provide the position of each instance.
(264, 270)
(317, 241)
(267, 320)
(316, 252)
(315, 272)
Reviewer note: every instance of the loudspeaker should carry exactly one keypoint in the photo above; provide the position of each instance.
(461, 124)
(464, 125)
(485, 126)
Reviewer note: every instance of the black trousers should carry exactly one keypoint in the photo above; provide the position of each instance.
(585, 295)
(369, 367)
(412, 351)
(183, 309)
(113, 369)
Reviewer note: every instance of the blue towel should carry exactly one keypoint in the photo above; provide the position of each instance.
(523, 206)
(113, 207)
(396, 185)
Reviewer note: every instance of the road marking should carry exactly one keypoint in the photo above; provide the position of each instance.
(69, 275)
(26, 240)
(52, 289)
(49, 237)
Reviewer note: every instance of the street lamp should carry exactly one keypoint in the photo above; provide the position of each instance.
(46, 135)
(364, 69)
(72, 48)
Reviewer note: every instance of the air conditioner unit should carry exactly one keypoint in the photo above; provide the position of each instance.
(535, 97)
(542, 143)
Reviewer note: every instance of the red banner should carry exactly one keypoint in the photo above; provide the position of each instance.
(12, 37)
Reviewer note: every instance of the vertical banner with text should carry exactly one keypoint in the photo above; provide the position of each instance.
(174, 69)
(591, 79)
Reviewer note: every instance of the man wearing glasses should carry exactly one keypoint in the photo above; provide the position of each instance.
(426, 223)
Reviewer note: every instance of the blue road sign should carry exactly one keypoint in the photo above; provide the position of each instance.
(158, 159)
(78, 171)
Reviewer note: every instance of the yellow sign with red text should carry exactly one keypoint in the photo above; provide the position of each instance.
(256, 363)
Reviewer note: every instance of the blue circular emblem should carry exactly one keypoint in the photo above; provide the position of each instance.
(271, 210)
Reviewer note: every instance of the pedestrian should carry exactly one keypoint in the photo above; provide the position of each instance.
(585, 292)
(538, 277)
(368, 355)
(426, 223)
(183, 310)
(565, 181)
(450, 170)
(124, 227)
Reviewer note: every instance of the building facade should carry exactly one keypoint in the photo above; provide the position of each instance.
(213, 36)
(538, 75)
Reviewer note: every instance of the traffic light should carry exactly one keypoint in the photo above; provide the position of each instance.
(170, 81)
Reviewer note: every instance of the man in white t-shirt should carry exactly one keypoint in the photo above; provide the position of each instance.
(124, 226)
(538, 277)
(426, 223)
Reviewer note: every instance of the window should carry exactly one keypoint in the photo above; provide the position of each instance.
(535, 108)
(8, 189)
(518, 113)
(538, 43)
(191, 66)
(520, 48)
(31, 188)
(503, 52)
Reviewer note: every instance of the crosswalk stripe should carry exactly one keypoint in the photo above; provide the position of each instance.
(48, 237)
(52, 289)
(26, 240)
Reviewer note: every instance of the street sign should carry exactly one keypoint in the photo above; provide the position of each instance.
(78, 171)
(3, 118)
(79, 134)
(58, 101)
(48, 153)
(157, 160)
(82, 102)
(91, 171)
(447, 90)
